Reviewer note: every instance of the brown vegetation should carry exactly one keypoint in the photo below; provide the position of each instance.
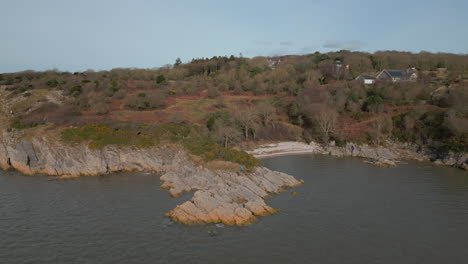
(313, 96)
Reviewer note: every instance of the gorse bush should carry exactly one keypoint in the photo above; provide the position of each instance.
(209, 149)
(101, 135)
(142, 136)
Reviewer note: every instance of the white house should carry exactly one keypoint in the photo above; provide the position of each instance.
(366, 79)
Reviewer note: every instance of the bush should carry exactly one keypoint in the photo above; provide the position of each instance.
(120, 94)
(213, 92)
(50, 112)
(100, 135)
(52, 83)
(161, 79)
(143, 101)
(17, 123)
(76, 90)
(219, 115)
(101, 108)
(209, 149)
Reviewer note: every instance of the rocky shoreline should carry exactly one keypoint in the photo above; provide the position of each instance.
(387, 156)
(231, 198)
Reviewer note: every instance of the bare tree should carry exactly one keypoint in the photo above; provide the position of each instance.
(266, 112)
(380, 127)
(247, 119)
(326, 119)
(225, 133)
(456, 124)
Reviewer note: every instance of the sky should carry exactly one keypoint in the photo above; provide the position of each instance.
(104, 34)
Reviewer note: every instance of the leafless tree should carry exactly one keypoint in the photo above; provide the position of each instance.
(247, 119)
(225, 133)
(326, 121)
(266, 112)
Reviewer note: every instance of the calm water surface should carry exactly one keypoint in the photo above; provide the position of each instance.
(347, 212)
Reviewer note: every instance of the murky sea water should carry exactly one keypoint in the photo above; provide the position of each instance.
(347, 212)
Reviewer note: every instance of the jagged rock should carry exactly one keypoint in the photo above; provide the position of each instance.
(388, 156)
(224, 196)
(220, 196)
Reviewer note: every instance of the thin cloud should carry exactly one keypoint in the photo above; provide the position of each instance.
(344, 45)
(286, 43)
(263, 42)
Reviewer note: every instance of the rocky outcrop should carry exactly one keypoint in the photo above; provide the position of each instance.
(40, 156)
(227, 197)
(382, 156)
(459, 160)
(377, 155)
(220, 196)
(390, 155)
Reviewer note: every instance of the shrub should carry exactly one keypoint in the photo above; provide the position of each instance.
(17, 123)
(52, 83)
(100, 135)
(161, 79)
(101, 108)
(120, 94)
(50, 112)
(219, 115)
(76, 90)
(143, 101)
(213, 92)
(209, 149)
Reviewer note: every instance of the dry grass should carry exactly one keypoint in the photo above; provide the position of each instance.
(25, 103)
(222, 165)
(193, 109)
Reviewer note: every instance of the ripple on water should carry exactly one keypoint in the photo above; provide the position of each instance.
(347, 212)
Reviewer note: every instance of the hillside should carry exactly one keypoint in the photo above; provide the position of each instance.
(213, 104)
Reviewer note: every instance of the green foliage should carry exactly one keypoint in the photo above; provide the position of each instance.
(160, 79)
(178, 62)
(172, 91)
(222, 115)
(354, 98)
(76, 90)
(360, 116)
(146, 101)
(52, 83)
(429, 129)
(255, 70)
(374, 100)
(100, 135)
(209, 149)
(17, 123)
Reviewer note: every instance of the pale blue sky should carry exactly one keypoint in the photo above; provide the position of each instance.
(103, 34)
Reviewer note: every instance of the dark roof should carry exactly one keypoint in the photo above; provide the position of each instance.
(394, 73)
